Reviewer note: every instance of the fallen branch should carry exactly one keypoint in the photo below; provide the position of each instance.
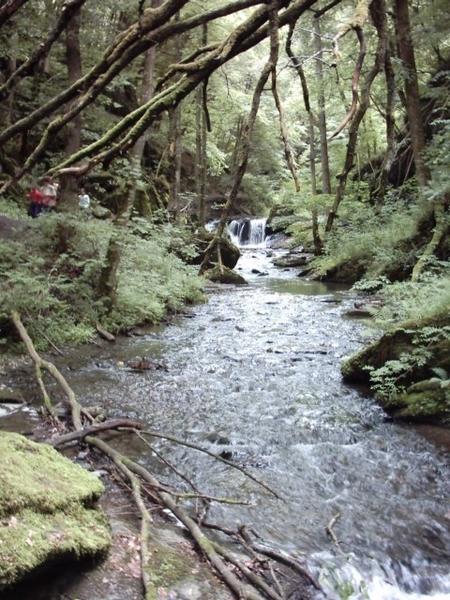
(77, 436)
(171, 438)
(330, 531)
(48, 366)
(105, 334)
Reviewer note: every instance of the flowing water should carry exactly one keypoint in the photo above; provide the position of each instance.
(254, 375)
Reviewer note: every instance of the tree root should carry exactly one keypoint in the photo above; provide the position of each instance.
(246, 580)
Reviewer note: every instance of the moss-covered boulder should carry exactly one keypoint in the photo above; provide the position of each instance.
(416, 362)
(229, 253)
(390, 346)
(224, 275)
(427, 400)
(48, 510)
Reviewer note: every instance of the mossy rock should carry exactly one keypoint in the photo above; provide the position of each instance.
(48, 510)
(229, 253)
(391, 346)
(174, 570)
(427, 398)
(425, 401)
(292, 260)
(224, 275)
(101, 212)
(349, 271)
(388, 347)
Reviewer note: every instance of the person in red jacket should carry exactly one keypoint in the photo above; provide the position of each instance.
(35, 207)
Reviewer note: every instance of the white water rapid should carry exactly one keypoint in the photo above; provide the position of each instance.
(249, 233)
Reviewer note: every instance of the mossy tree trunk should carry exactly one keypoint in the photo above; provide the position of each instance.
(322, 117)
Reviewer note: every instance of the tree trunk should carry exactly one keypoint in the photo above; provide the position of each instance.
(108, 277)
(412, 96)
(322, 120)
(389, 157)
(68, 193)
(200, 143)
(175, 147)
(318, 246)
(245, 140)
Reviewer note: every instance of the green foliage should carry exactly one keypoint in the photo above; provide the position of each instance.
(438, 153)
(417, 302)
(388, 381)
(362, 235)
(52, 279)
(152, 281)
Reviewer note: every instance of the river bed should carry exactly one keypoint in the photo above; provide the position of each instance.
(254, 375)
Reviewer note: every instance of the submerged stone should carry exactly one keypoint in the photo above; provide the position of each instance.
(48, 510)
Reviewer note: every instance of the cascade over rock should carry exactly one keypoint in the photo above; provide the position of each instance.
(248, 232)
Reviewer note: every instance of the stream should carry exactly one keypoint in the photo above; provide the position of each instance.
(254, 375)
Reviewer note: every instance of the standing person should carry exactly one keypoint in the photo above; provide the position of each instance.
(84, 202)
(35, 206)
(49, 194)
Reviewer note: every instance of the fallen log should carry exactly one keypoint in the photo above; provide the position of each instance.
(109, 337)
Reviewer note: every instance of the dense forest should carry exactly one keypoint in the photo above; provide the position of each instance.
(330, 118)
(150, 119)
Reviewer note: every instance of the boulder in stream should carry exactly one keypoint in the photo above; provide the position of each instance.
(224, 275)
(48, 510)
(421, 371)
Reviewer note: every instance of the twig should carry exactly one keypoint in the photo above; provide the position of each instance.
(171, 438)
(289, 562)
(198, 494)
(329, 530)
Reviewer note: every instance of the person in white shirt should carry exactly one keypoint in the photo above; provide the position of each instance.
(84, 202)
(49, 193)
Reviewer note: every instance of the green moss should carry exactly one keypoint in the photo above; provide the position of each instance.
(47, 509)
(31, 539)
(224, 275)
(167, 568)
(428, 404)
(36, 475)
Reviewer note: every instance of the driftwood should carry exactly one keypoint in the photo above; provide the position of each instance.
(330, 531)
(105, 334)
(246, 580)
(66, 438)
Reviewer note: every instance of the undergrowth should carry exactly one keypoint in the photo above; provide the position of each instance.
(50, 275)
(359, 234)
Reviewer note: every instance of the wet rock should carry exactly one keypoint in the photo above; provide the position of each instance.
(48, 510)
(225, 275)
(292, 260)
(144, 364)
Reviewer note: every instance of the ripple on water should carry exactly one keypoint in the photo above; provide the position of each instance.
(256, 373)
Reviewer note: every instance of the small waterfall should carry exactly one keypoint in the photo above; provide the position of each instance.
(248, 232)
